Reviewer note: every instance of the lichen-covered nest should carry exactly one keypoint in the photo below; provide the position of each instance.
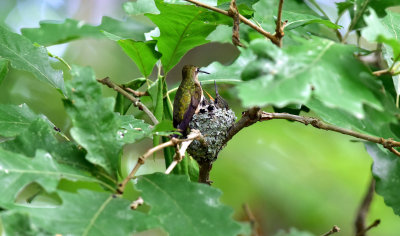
(213, 123)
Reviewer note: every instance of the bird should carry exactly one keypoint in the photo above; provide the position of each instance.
(188, 97)
(219, 101)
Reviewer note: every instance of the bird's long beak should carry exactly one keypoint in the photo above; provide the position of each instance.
(202, 71)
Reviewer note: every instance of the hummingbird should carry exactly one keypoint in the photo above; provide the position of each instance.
(188, 97)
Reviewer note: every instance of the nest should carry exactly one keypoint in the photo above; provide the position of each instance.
(213, 123)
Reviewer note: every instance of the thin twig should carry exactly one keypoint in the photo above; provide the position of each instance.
(255, 114)
(243, 19)
(252, 220)
(364, 208)
(334, 229)
(136, 102)
(279, 26)
(142, 159)
(137, 93)
(234, 13)
(374, 224)
(180, 154)
(381, 72)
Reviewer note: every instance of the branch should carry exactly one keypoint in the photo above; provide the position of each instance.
(363, 210)
(180, 154)
(137, 93)
(234, 13)
(252, 220)
(279, 26)
(243, 19)
(376, 223)
(141, 160)
(136, 102)
(335, 229)
(255, 114)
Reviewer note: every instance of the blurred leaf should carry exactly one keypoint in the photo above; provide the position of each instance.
(182, 28)
(122, 104)
(196, 212)
(90, 213)
(15, 119)
(294, 232)
(3, 69)
(133, 129)
(343, 6)
(142, 53)
(140, 7)
(386, 170)
(297, 19)
(296, 72)
(165, 125)
(57, 32)
(229, 74)
(42, 169)
(386, 31)
(16, 223)
(95, 126)
(24, 56)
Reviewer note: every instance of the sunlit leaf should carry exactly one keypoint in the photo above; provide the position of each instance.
(291, 75)
(57, 32)
(203, 214)
(142, 53)
(140, 7)
(23, 55)
(181, 29)
(296, 20)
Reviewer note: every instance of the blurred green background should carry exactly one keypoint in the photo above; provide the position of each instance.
(290, 175)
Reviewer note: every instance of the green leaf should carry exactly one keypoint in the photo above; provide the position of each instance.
(196, 212)
(95, 126)
(386, 171)
(140, 7)
(16, 223)
(57, 32)
(15, 119)
(291, 75)
(3, 69)
(297, 19)
(24, 56)
(42, 169)
(142, 53)
(133, 129)
(90, 213)
(182, 28)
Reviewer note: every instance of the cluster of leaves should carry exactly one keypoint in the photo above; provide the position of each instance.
(315, 69)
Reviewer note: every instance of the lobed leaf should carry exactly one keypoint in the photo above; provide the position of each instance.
(182, 28)
(23, 55)
(203, 214)
(57, 32)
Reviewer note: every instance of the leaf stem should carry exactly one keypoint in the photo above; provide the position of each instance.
(60, 59)
(136, 102)
(355, 20)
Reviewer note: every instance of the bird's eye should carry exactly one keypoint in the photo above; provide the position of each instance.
(197, 69)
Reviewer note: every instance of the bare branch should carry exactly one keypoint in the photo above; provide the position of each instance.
(243, 19)
(279, 26)
(335, 229)
(180, 154)
(141, 160)
(374, 224)
(136, 102)
(363, 210)
(255, 114)
(252, 220)
(234, 13)
(137, 93)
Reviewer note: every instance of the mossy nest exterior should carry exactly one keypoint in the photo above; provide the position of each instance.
(213, 123)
